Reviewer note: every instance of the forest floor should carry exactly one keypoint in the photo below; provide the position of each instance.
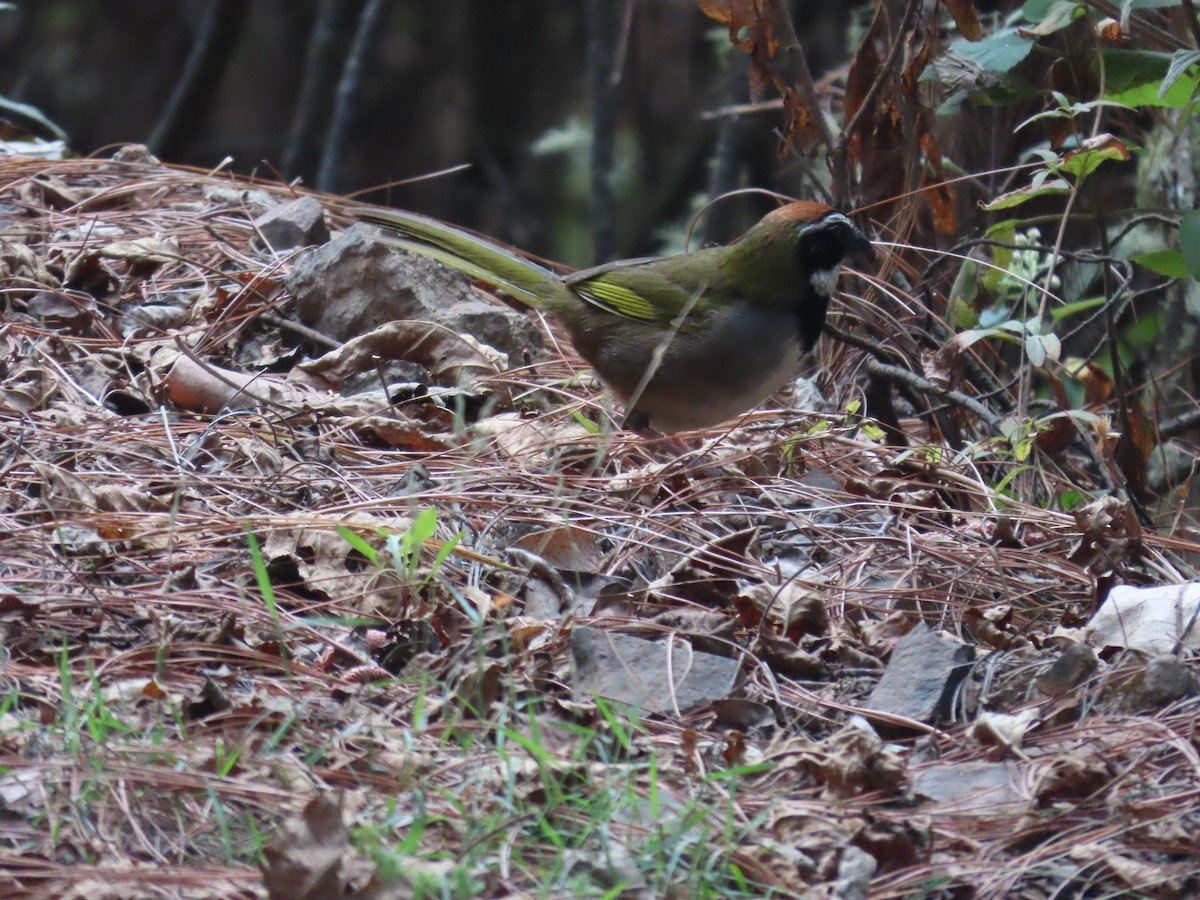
(271, 629)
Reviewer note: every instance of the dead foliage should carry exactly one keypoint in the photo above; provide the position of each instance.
(272, 634)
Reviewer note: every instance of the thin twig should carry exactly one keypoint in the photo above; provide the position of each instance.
(1189, 10)
(601, 53)
(370, 28)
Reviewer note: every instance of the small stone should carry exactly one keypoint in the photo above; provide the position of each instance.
(1165, 680)
(1073, 667)
(921, 677)
(298, 223)
(356, 282)
(855, 870)
(136, 153)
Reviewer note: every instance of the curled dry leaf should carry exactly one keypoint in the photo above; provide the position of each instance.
(855, 761)
(792, 610)
(22, 269)
(753, 28)
(452, 358)
(565, 546)
(1151, 620)
(154, 250)
(1110, 32)
(312, 859)
(535, 441)
(210, 389)
(31, 388)
(325, 563)
(1068, 777)
(1005, 730)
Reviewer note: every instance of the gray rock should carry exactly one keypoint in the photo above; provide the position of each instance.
(1165, 680)
(640, 674)
(855, 870)
(921, 676)
(297, 223)
(355, 283)
(1074, 666)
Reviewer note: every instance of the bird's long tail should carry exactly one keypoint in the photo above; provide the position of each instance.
(475, 256)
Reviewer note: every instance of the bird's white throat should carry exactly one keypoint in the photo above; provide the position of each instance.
(825, 280)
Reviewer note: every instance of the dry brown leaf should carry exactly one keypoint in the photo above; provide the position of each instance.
(534, 441)
(206, 388)
(565, 546)
(965, 18)
(1110, 32)
(863, 71)
(154, 250)
(453, 359)
(753, 28)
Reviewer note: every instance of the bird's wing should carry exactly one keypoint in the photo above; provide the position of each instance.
(666, 291)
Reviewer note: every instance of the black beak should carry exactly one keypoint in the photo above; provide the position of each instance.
(860, 245)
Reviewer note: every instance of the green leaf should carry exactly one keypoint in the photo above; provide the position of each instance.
(354, 540)
(1143, 333)
(953, 103)
(1180, 63)
(960, 314)
(1127, 6)
(874, 432)
(966, 285)
(1069, 309)
(1005, 232)
(261, 575)
(588, 425)
(1068, 500)
(1164, 262)
(1189, 241)
(1024, 195)
(1083, 162)
(424, 526)
(1042, 347)
(443, 555)
(1036, 10)
(1058, 16)
(967, 338)
(1133, 77)
(999, 53)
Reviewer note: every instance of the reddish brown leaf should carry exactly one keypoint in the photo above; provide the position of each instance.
(863, 72)
(751, 22)
(1134, 447)
(1110, 32)
(916, 58)
(938, 193)
(753, 28)
(965, 18)
(1058, 436)
(799, 128)
(1097, 384)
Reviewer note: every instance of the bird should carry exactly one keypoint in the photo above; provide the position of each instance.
(687, 341)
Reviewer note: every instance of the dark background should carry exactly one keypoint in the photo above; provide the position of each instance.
(456, 81)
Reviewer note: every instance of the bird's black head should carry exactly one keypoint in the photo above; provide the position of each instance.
(825, 242)
(821, 246)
